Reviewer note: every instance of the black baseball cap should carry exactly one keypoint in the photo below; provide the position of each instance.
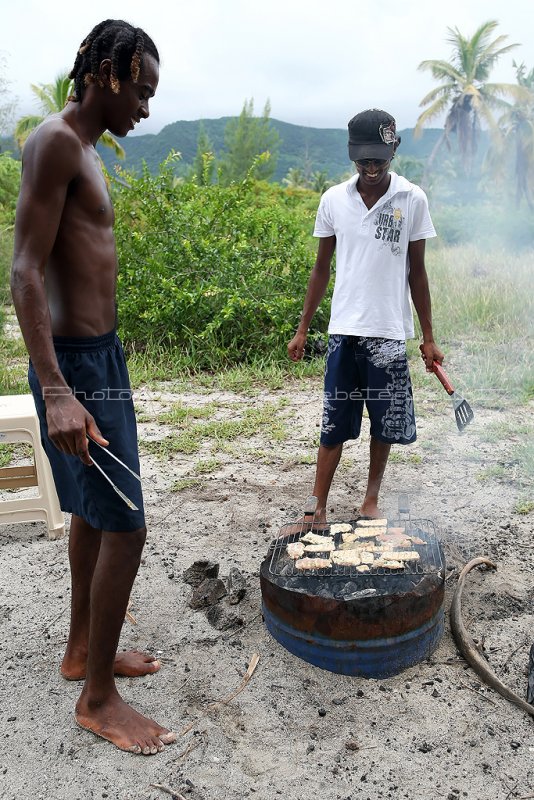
(372, 134)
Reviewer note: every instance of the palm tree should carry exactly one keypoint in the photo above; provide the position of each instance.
(410, 167)
(320, 182)
(52, 98)
(464, 92)
(295, 179)
(517, 128)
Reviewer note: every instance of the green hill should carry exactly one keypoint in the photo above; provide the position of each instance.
(319, 149)
(310, 149)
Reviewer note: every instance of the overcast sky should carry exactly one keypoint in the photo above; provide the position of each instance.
(317, 62)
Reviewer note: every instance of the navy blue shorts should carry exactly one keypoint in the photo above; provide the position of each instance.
(372, 372)
(95, 370)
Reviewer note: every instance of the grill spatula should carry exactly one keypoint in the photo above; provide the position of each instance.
(462, 410)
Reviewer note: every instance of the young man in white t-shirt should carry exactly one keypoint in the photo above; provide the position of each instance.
(377, 223)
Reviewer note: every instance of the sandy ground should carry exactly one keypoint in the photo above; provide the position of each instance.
(295, 731)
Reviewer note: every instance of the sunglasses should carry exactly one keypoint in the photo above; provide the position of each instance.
(366, 162)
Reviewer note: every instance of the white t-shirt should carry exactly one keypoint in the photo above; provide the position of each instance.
(371, 293)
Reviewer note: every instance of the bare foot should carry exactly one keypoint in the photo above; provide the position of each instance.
(370, 509)
(118, 723)
(128, 663)
(134, 664)
(318, 525)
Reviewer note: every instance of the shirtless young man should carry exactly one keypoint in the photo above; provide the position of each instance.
(378, 223)
(64, 288)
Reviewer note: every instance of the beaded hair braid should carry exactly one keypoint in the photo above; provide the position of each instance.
(117, 40)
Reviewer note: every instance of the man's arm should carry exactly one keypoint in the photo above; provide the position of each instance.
(317, 285)
(420, 292)
(52, 158)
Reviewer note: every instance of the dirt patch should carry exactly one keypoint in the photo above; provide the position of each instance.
(221, 493)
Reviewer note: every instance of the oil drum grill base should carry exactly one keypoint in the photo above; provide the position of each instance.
(365, 658)
(372, 625)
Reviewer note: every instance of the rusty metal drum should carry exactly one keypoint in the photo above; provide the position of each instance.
(372, 625)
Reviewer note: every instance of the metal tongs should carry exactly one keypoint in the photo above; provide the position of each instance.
(121, 494)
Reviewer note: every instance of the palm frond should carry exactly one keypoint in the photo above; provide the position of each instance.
(42, 93)
(437, 108)
(486, 62)
(454, 37)
(491, 48)
(109, 141)
(518, 93)
(483, 32)
(441, 70)
(63, 87)
(482, 111)
(440, 91)
(23, 128)
(53, 96)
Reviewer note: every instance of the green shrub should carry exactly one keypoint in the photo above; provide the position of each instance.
(9, 186)
(9, 189)
(219, 271)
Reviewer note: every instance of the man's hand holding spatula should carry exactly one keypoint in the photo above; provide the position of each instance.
(430, 353)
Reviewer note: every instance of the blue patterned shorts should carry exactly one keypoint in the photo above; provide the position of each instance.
(372, 372)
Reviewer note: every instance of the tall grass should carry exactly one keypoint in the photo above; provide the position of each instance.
(484, 319)
(156, 364)
(13, 366)
(6, 251)
(481, 293)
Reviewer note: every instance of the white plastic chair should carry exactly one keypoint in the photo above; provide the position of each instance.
(19, 423)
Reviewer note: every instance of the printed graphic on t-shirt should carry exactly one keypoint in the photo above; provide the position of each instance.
(389, 221)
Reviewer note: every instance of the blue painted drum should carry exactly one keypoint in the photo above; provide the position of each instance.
(372, 624)
(367, 658)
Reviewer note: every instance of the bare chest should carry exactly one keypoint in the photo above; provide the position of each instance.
(88, 199)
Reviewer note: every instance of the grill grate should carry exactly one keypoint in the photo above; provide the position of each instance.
(430, 554)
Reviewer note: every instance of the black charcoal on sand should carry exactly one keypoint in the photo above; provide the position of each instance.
(199, 571)
(221, 619)
(208, 593)
(236, 586)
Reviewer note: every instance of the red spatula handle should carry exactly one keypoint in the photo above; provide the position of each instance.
(442, 377)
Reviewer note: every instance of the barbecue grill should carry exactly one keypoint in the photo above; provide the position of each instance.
(374, 623)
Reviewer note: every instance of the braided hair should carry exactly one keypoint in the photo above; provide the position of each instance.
(118, 41)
